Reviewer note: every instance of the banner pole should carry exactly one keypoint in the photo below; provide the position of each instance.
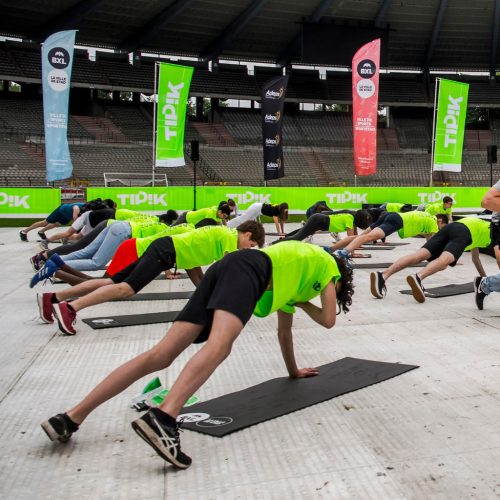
(433, 130)
(355, 180)
(155, 104)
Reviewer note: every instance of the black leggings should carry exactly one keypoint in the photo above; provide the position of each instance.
(81, 243)
(317, 222)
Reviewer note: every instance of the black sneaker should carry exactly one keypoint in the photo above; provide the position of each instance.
(59, 428)
(23, 236)
(42, 235)
(480, 295)
(163, 438)
(377, 285)
(416, 287)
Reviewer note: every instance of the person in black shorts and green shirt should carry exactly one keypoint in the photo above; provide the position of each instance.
(406, 224)
(279, 213)
(442, 250)
(188, 251)
(343, 220)
(277, 278)
(219, 214)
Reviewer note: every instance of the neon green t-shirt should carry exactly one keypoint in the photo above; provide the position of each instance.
(437, 208)
(142, 244)
(195, 216)
(479, 230)
(141, 228)
(204, 246)
(394, 207)
(126, 214)
(417, 223)
(300, 272)
(340, 222)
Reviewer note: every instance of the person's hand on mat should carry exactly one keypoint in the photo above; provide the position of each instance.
(169, 275)
(361, 255)
(305, 372)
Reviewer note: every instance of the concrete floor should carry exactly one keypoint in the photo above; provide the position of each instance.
(431, 433)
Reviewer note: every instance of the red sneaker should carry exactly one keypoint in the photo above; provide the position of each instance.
(66, 317)
(45, 306)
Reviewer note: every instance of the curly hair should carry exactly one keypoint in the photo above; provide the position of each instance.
(344, 296)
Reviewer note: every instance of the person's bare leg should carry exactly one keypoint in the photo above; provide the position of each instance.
(225, 330)
(373, 235)
(179, 337)
(35, 225)
(82, 289)
(102, 294)
(441, 263)
(50, 226)
(405, 262)
(70, 278)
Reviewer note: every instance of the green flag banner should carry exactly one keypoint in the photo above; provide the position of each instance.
(173, 91)
(28, 202)
(450, 126)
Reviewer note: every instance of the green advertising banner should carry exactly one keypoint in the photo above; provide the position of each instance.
(173, 91)
(450, 125)
(299, 199)
(28, 202)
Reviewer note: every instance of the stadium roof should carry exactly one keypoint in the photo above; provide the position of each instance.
(424, 34)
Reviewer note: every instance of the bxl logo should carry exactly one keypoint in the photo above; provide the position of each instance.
(317, 286)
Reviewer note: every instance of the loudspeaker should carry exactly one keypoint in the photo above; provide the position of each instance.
(492, 153)
(195, 150)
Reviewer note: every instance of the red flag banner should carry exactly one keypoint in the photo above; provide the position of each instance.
(365, 73)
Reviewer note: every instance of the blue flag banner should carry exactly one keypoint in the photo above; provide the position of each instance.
(57, 61)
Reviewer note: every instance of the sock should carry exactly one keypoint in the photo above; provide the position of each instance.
(164, 418)
(73, 427)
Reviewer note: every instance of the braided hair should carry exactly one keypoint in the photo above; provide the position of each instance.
(344, 296)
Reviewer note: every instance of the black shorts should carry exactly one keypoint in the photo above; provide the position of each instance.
(495, 232)
(233, 284)
(453, 238)
(390, 222)
(159, 257)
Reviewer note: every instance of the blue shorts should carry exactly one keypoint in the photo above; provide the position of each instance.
(62, 215)
(390, 222)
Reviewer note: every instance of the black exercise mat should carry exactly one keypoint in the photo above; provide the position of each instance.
(131, 320)
(284, 395)
(376, 247)
(157, 296)
(445, 291)
(381, 265)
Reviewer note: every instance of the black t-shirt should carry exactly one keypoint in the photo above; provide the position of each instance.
(97, 216)
(270, 210)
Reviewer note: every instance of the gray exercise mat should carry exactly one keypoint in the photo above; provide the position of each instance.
(280, 396)
(376, 247)
(445, 291)
(157, 296)
(389, 244)
(131, 320)
(380, 265)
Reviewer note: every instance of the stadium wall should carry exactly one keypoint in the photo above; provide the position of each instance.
(25, 203)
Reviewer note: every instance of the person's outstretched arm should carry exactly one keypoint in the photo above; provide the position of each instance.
(285, 321)
(327, 313)
(195, 275)
(477, 261)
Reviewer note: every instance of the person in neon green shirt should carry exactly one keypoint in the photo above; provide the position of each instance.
(343, 220)
(219, 214)
(277, 278)
(441, 207)
(188, 251)
(406, 224)
(442, 250)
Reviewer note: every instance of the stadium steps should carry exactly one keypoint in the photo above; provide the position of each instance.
(215, 134)
(35, 151)
(102, 129)
(318, 167)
